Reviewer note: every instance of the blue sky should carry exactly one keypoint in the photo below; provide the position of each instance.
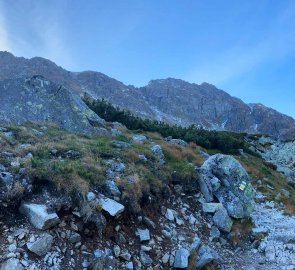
(246, 48)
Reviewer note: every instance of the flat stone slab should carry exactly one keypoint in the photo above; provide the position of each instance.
(144, 235)
(111, 206)
(38, 215)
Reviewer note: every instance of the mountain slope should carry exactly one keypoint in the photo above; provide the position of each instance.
(170, 100)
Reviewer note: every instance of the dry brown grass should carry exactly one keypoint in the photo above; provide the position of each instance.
(154, 135)
(131, 156)
(240, 230)
(179, 153)
(133, 192)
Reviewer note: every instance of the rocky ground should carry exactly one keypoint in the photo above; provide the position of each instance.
(148, 241)
(208, 227)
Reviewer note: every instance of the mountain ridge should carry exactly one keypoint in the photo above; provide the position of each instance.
(169, 100)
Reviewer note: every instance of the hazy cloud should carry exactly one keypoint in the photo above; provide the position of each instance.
(43, 34)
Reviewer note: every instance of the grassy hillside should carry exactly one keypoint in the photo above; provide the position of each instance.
(75, 163)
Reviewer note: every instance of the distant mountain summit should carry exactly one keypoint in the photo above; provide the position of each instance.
(170, 100)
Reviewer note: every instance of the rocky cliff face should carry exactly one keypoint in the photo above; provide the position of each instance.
(171, 100)
(38, 100)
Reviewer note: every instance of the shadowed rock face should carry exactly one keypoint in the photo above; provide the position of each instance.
(170, 100)
(38, 100)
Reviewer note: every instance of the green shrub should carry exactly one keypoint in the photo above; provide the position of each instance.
(223, 141)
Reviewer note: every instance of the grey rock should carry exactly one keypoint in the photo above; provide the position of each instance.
(145, 258)
(144, 235)
(112, 207)
(142, 158)
(270, 253)
(75, 237)
(2, 168)
(158, 152)
(11, 264)
(120, 239)
(224, 177)
(42, 245)
(192, 220)
(169, 214)
(211, 207)
(129, 266)
(222, 220)
(8, 134)
(195, 244)
(120, 144)
(6, 178)
(139, 138)
(90, 196)
(178, 142)
(38, 215)
(206, 255)
(117, 250)
(149, 222)
(115, 165)
(125, 256)
(99, 253)
(165, 258)
(112, 188)
(214, 233)
(181, 258)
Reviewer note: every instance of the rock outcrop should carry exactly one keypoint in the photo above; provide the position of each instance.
(39, 100)
(280, 154)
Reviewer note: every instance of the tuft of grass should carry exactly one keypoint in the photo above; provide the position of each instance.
(241, 229)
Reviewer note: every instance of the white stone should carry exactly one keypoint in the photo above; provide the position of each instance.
(169, 214)
(112, 207)
(38, 215)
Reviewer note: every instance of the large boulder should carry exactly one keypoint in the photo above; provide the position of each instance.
(37, 99)
(224, 178)
(38, 215)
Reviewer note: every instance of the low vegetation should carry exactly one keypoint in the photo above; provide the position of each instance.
(223, 141)
(74, 163)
